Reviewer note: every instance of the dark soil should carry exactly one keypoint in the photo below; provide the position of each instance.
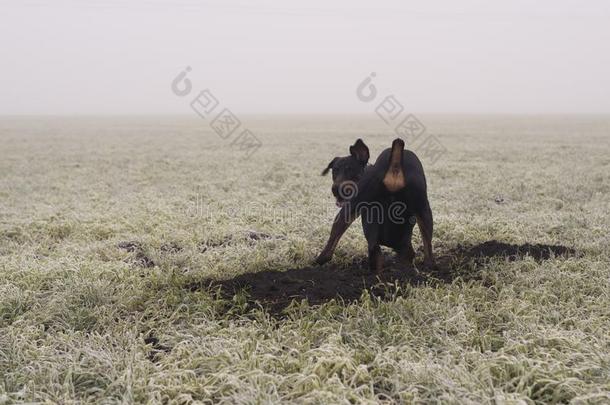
(171, 248)
(494, 248)
(140, 258)
(275, 290)
(156, 348)
(250, 235)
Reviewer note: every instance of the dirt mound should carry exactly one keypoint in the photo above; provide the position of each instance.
(140, 258)
(275, 290)
(493, 248)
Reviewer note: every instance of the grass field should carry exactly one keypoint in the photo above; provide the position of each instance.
(112, 231)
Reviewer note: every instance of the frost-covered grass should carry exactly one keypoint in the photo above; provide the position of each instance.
(84, 320)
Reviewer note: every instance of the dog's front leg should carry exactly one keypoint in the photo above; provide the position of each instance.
(343, 220)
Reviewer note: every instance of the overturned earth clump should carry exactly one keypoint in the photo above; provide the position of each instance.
(494, 248)
(140, 258)
(275, 290)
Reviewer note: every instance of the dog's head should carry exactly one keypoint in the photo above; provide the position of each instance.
(347, 171)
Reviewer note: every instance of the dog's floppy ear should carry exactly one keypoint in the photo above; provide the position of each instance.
(330, 166)
(360, 151)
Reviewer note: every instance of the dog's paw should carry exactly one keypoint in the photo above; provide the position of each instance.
(323, 258)
(404, 263)
(429, 265)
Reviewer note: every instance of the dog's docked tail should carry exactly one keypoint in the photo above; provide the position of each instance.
(394, 179)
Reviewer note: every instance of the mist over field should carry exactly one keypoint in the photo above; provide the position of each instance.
(269, 56)
(162, 208)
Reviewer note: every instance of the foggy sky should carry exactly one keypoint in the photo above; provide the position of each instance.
(120, 57)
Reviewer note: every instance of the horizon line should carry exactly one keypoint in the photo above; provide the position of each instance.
(372, 114)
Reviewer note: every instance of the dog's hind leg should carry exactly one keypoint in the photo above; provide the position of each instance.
(406, 253)
(372, 233)
(424, 221)
(375, 259)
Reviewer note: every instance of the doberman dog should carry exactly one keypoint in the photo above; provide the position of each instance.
(390, 195)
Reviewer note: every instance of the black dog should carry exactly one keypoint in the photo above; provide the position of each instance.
(390, 195)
